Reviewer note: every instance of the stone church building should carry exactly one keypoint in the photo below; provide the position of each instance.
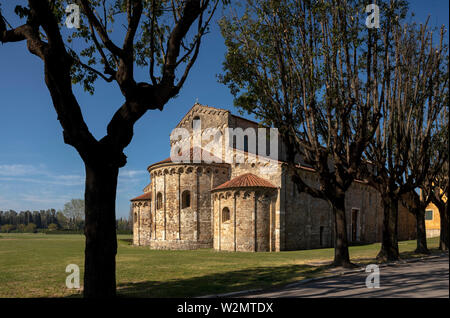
(238, 206)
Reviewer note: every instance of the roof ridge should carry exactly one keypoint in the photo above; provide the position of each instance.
(243, 118)
(246, 180)
(191, 154)
(201, 105)
(143, 197)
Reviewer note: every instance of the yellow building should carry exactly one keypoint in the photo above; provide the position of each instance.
(432, 221)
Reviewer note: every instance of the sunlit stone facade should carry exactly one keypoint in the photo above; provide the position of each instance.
(240, 207)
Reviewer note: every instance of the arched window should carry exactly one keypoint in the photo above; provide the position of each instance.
(159, 200)
(225, 214)
(246, 143)
(194, 121)
(185, 199)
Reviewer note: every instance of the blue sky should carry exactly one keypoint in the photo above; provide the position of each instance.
(38, 171)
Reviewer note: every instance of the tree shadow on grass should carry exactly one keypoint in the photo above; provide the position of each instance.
(267, 278)
(414, 254)
(360, 243)
(219, 283)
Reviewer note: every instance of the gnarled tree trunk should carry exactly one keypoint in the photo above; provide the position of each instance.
(444, 239)
(422, 247)
(341, 254)
(100, 231)
(389, 244)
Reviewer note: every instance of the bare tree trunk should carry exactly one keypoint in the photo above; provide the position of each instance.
(100, 231)
(421, 231)
(444, 239)
(389, 244)
(341, 254)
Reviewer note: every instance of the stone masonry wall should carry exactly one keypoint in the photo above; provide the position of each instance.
(172, 226)
(286, 220)
(309, 222)
(142, 222)
(249, 228)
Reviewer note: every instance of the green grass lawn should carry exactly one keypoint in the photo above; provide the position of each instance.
(33, 265)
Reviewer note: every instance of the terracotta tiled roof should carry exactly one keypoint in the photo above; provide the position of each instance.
(144, 197)
(191, 158)
(249, 120)
(246, 180)
(162, 161)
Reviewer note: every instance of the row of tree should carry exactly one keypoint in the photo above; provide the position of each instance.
(353, 101)
(22, 228)
(41, 218)
(70, 218)
(123, 226)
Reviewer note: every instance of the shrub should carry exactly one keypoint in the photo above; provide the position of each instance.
(52, 227)
(6, 228)
(20, 228)
(30, 228)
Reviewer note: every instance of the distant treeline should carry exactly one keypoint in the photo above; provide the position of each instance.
(49, 221)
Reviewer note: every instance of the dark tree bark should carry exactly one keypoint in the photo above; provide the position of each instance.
(421, 232)
(389, 243)
(417, 204)
(341, 254)
(442, 206)
(444, 238)
(100, 231)
(439, 193)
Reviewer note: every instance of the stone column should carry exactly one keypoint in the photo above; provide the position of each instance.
(211, 186)
(179, 205)
(148, 205)
(234, 220)
(154, 205)
(196, 209)
(279, 221)
(255, 225)
(270, 225)
(164, 207)
(220, 222)
(139, 224)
